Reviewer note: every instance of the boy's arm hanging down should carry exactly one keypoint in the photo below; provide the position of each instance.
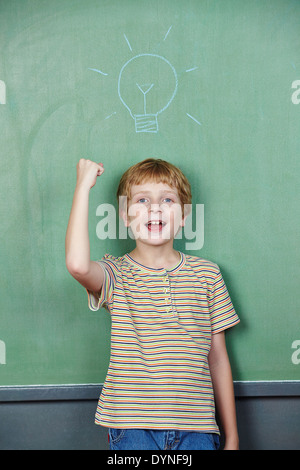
(221, 375)
(78, 261)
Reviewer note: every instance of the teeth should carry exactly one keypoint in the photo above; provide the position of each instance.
(154, 222)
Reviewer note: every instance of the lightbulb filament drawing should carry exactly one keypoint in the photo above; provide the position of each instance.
(147, 85)
(147, 89)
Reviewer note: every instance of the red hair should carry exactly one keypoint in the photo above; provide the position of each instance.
(159, 171)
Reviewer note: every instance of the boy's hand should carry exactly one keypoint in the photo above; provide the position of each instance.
(87, 172)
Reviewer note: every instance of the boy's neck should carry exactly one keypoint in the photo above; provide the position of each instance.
(156, 257)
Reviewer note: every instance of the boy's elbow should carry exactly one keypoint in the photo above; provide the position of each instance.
(76, 269)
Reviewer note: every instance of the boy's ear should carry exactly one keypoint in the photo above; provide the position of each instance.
(123, 210)
(186, 212)
(124, 217)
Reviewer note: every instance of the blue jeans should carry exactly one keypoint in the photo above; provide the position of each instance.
(148, 439)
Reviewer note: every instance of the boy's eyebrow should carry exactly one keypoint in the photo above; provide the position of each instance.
(142, 192)
(168, 191)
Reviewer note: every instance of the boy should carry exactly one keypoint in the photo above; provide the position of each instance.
(169, 311)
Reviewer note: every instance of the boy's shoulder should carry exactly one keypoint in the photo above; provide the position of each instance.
(114, 262)
(112, 258)
(115, 266)
(202, 265)
(117, 263)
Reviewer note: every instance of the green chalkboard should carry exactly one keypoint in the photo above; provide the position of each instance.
(211, 86)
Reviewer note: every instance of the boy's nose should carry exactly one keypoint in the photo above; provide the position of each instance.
(155, 208)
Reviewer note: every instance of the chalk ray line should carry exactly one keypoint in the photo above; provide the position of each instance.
(127, 42)
(107, 117)
(194, 119)
(168, 32)
(99, 71)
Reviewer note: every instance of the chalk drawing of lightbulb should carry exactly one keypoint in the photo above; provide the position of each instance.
(147, 85)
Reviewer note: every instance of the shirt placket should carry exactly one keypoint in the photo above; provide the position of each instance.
(167, 294)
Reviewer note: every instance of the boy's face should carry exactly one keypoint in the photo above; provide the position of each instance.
(154, 212)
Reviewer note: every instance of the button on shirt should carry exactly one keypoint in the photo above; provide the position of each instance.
(162, 322)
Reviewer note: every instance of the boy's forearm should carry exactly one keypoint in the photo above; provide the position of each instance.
(225, 402)
(221, 376)
(77, 237)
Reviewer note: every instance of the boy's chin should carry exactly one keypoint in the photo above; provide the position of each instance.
(155, 238)
(152, 239)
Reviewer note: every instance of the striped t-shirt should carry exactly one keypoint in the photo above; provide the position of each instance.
(162, 322)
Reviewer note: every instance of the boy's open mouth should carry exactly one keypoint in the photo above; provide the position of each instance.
(155, 225)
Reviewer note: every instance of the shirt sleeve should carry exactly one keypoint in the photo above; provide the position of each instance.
(103, 297)
(222, 312)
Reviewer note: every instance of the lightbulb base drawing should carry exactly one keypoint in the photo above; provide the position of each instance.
(146, 123)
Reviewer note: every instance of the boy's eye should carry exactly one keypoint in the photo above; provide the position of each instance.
(143, 200)
(168, 200)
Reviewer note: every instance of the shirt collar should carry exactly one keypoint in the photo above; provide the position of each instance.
(158, 271)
